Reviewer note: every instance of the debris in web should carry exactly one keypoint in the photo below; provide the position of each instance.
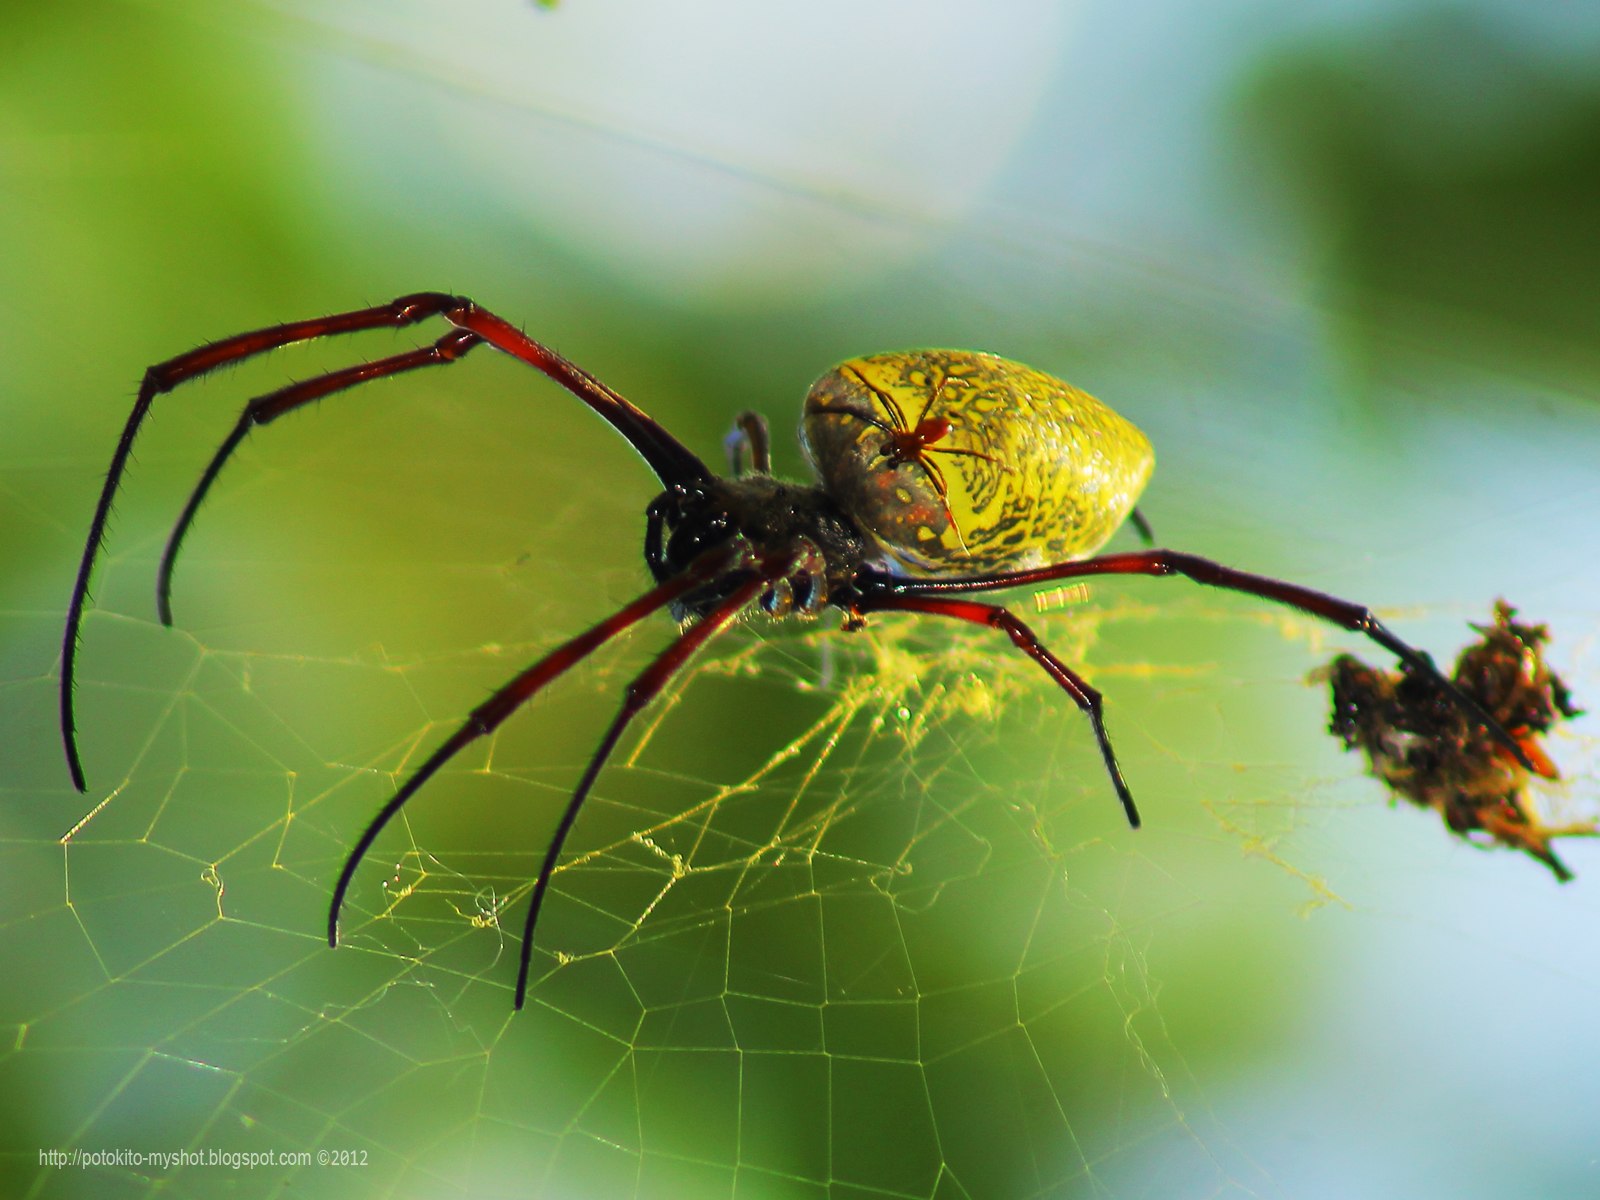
(1425, 749)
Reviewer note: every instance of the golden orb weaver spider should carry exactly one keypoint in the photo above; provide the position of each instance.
(1042, 478)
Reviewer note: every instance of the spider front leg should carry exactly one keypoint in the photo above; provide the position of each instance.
(264, 409)
(162, 378)
(673, 463)
(992, 615)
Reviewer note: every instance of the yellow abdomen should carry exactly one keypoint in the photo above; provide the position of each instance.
(962, 463)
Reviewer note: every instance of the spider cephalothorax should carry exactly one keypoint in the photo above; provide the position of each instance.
(797, 520)
(1032, 476)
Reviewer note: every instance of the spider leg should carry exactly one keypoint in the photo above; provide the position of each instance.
(896, 417)
(672, 462)
(846, 411)
(933, 398)
(1348, 615)
(1083, 695)
(159, 380)
(640, 692)
(928, 466)
(941, 488)
(935, 477)
(969, 454)
(1142, 526)
(670, 459)
(264, 409)
(749, 433)
(489, 715)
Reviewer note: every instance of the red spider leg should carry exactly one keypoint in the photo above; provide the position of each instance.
(671, 461)
(941, 488)
(489, 715)
(264, 409)
(891, 406)
(929, 430)
(906, 447)
(910, 443)
(933, 398)
(913, 442)
(914, 445)
(965, 453)
(162, 378)
(640, 692)
(1355, 617)
(1083, 695)
(843, 411)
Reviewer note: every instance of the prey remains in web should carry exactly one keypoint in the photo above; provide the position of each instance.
(1418, 742)
(940, 474)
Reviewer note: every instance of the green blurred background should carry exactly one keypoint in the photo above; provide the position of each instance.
(1339, 261)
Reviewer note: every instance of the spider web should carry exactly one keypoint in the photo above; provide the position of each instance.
(827, 937)
(848, 915)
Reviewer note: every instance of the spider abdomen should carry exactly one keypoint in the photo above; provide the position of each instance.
(957, 462)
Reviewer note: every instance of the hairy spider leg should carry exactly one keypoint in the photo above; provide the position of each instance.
(749, 434)
(672, 462)
(897, 419)
(942, 427)
(992, 615)
(162, 378)
(923, 448)
(264, 409)
(489, 715)
(640, 692)
(933, 398)
(928, 466)
(1357, 618)
(900, 430)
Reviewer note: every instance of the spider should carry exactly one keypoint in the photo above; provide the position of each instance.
(1036, 477)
